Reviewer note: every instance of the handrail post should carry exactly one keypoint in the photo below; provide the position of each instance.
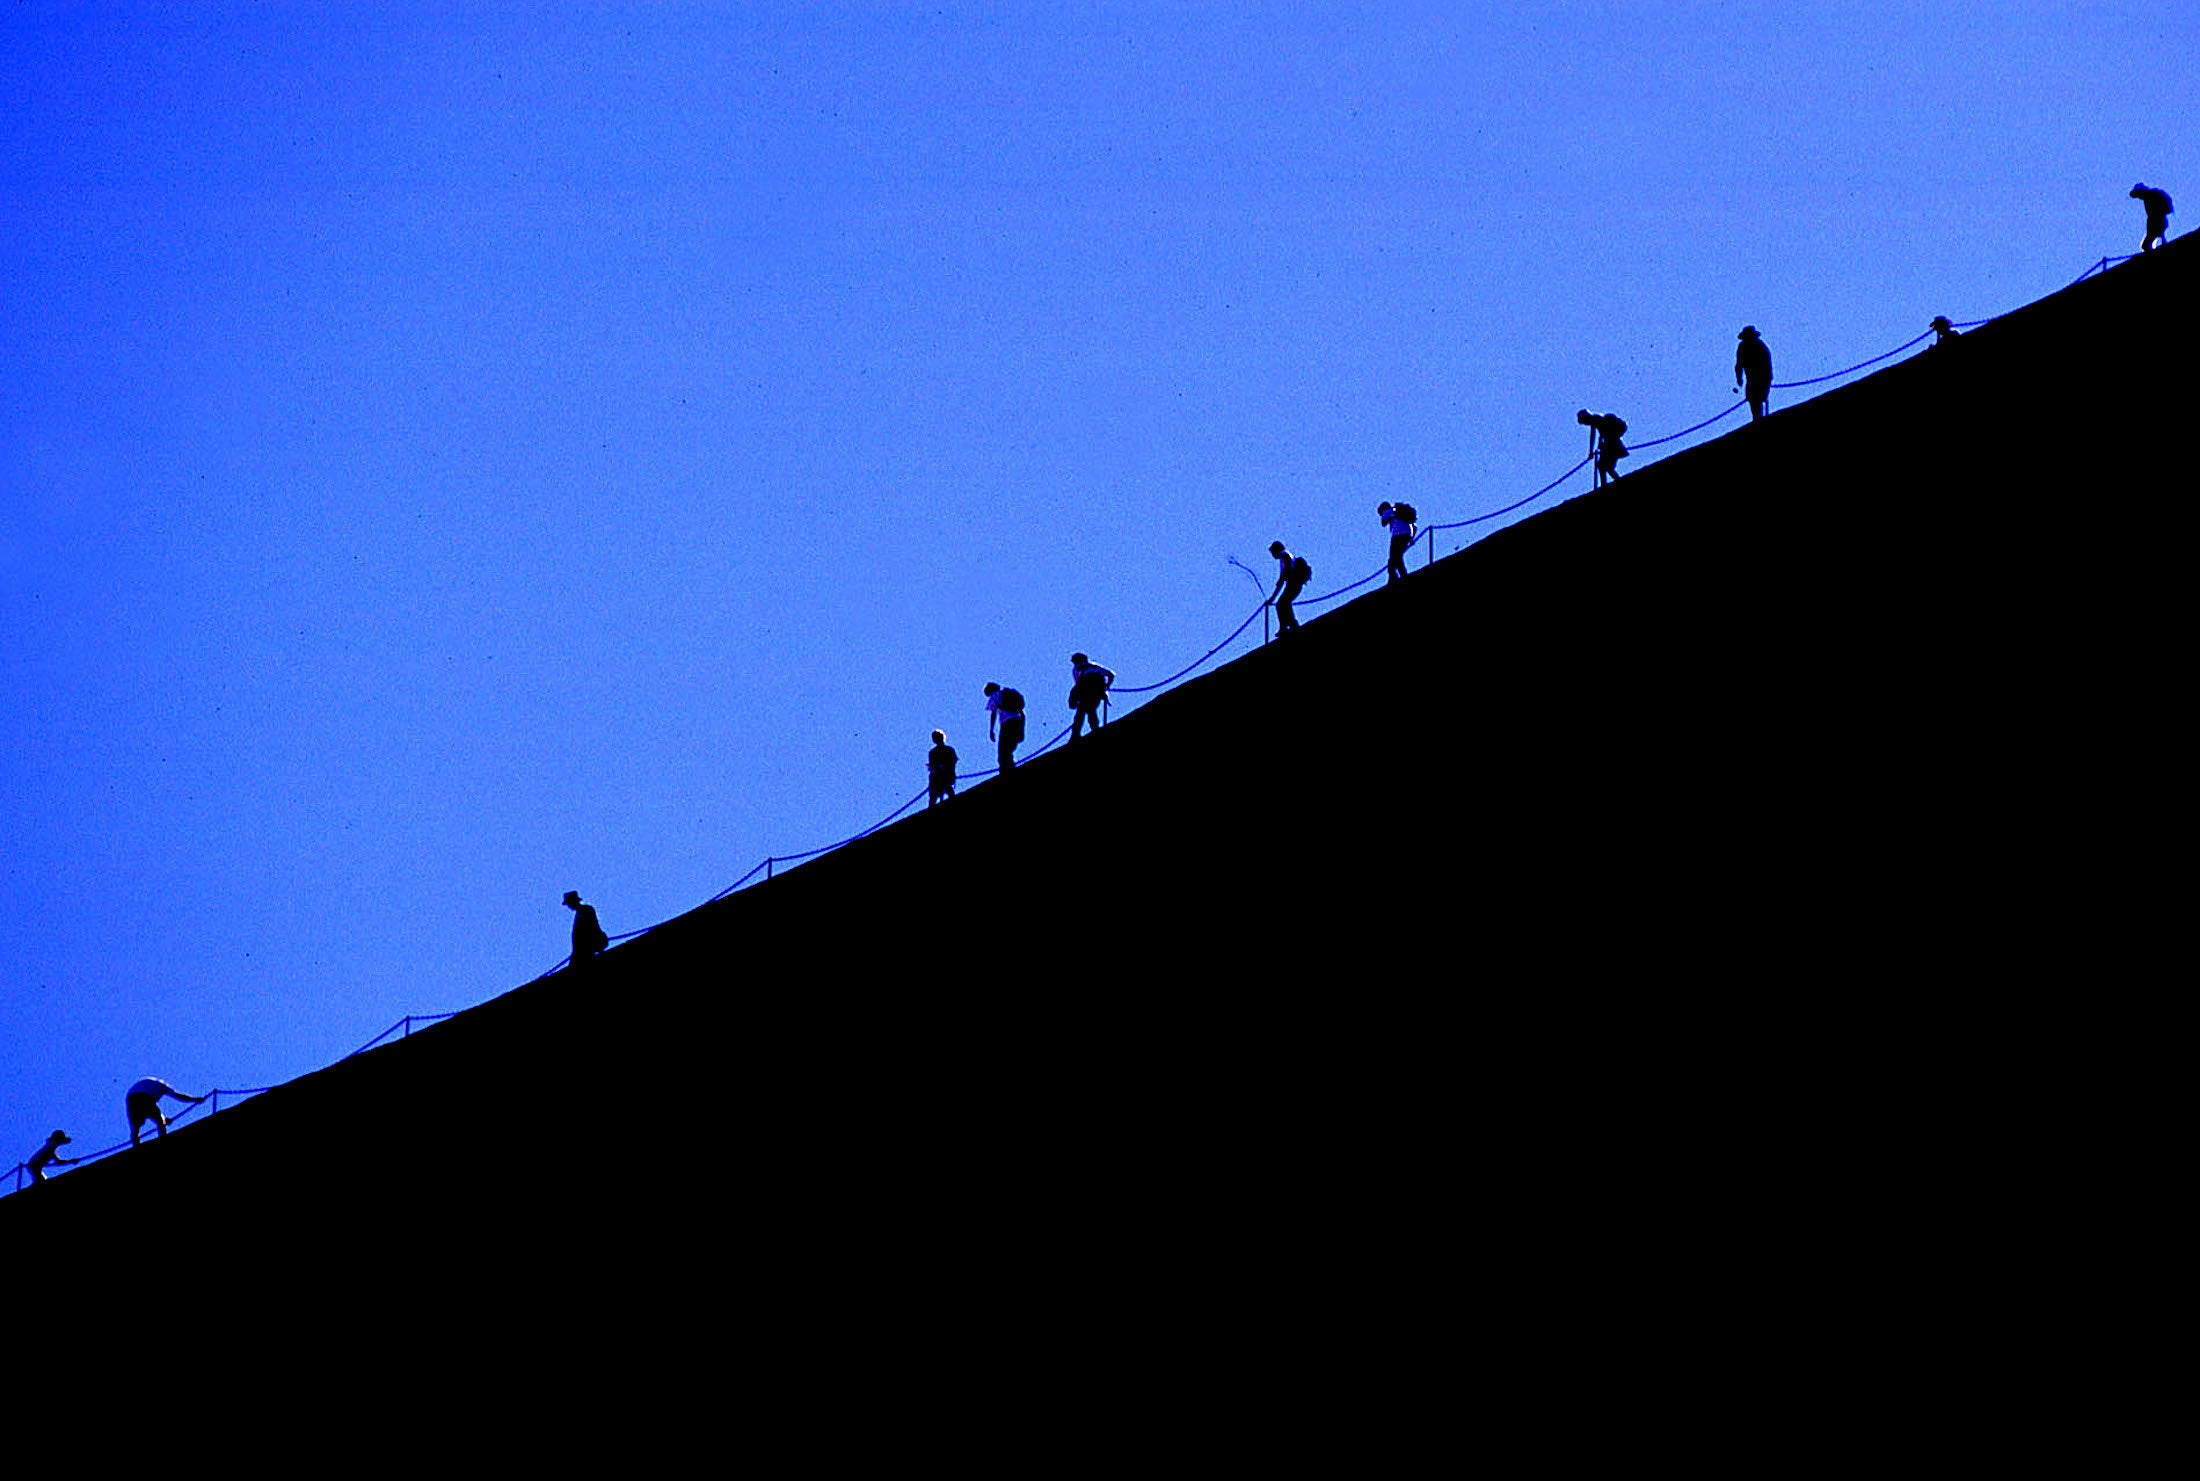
(215, 1096)
(767, 866)
(408, 1027)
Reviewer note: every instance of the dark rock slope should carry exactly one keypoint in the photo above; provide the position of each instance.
(1655, 885)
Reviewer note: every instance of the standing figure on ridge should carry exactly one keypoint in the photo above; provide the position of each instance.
(939, 765)
(2158, 208)
(1088, 691)
(1292, 574)
(1004, 721)
(588, 936)
(1605, 446)
(48, 1156)
(141, 1103)
(1943, 331)
(1399, 519)
(1753, 371)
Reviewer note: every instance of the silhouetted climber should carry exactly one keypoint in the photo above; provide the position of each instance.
(588, 936)
(1605, 446)
(1292, 574)
(2158, 209)
(141, 1103)
(1004, 721)
(1753, 371)
(939, 765)
(1943, 331)
(1088, 691)
(48, 1156)
(1399, 520)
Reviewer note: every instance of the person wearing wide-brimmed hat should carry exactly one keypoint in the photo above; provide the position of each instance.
(48, 1156)
(1753, 370)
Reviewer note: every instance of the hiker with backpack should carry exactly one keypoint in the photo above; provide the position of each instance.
(1399, 519)
(1088, 691)
(588, 937)
(1292, 574)
(1753, 371)
(939, 766)
(1004, 721)
(2158, 207)
(1605, 446)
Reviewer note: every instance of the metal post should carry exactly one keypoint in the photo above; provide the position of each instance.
(767, 866)
(215, 1096)
(408, 1027)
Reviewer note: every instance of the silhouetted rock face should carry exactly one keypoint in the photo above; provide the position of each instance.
(1653, 844)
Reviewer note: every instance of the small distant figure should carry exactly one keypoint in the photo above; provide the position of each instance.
(588, 937)
(1089, 684)
(141, 1103)
(48, 1156)
(1399, 519)
(1004, 722)
(1292, 574)
(1605, 432)
(1943, 331)
(1753, 371)
(2158, 208)
(939, 765)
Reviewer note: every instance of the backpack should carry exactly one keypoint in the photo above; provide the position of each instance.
(1615, 428)
(1301, 572)
(1406, 512)
(1012, 703)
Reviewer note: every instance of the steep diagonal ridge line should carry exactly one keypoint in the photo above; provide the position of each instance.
(1427, 532)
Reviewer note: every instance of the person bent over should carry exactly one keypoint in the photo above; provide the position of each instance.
(48, 1156)
(2158, 207)
(1605, 446)
(142, 1104)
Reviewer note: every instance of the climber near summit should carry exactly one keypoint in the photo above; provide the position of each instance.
(1753, 371)
(1605, 446)
(2158, 209)
(1943, 331)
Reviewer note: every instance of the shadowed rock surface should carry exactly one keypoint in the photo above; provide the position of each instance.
(1608, 914)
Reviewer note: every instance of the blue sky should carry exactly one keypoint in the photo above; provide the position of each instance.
(455, 454)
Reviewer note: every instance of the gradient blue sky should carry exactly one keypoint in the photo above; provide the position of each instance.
(453, 454)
